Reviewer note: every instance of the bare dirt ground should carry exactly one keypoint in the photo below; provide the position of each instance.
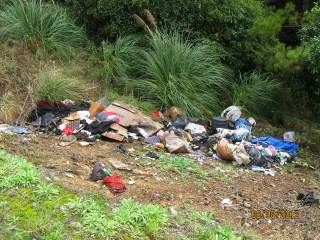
(71, 166)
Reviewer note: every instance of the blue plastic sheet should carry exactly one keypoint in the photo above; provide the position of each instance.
(280, 145)
(242, 123)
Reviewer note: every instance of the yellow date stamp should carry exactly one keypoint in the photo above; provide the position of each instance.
(274, 214)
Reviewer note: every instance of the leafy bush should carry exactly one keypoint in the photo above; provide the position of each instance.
(54, 86)
(255, 92)
(177, 71)
(40, 26)
(311, 38)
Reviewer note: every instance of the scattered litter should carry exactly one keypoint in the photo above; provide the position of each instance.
(226, 202)
(114, 183)
(17, 130)
(131, 182)
(121, 149)
(152, 140)
(97, 173)
(152, 155)
(308, 199)
(175, 144)
(195, 128)
(173, 211)
(289, 136)
(232, 113)
(83, 144)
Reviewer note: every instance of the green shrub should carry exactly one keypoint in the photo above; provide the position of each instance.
(173, 71)
(40, 26)
(255, 93)
(54, 86)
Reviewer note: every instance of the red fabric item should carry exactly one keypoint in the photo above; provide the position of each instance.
(67, 131)
(156, 114)
(114, 183)
(47, 105)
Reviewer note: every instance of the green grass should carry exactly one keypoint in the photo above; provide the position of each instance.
(8, 65)
(180, 165)
(16, 172)
(55, 86)
(41, 26)
(34, 209)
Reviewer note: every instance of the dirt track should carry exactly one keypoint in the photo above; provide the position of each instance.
(70, 166)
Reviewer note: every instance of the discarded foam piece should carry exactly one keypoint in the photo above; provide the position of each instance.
(175, 144)
(195, 128)
(119, 165)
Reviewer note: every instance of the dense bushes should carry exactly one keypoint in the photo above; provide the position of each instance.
(311, 39)
(226, 22)
(40, 26)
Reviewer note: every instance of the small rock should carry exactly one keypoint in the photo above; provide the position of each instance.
(156, 197)
(131, 182)
(247, 224)
(119, 165)
(69, 175)
(173, 211)
(247, 205)
(226, 203)
(140, 172)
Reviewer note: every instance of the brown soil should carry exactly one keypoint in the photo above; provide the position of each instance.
(70, 166)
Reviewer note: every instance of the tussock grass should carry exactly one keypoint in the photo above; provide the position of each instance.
(176, 71)
(41, 26)
(55, 86)
(255, 92)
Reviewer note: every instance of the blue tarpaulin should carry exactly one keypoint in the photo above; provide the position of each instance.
(280, 145)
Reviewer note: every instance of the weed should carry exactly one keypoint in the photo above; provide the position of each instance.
(40, 26)
(139, 220)
(16, 172)
(181, 165)
(214, 233)
(93, 217)
(46, 191)
(55, 86)
(8, 65)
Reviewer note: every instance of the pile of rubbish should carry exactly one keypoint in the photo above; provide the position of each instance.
(227, 137)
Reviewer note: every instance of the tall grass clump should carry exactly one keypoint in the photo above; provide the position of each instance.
(176, 71)
(118, 59)
(41, 26)
(55, 86)
(255, 92)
